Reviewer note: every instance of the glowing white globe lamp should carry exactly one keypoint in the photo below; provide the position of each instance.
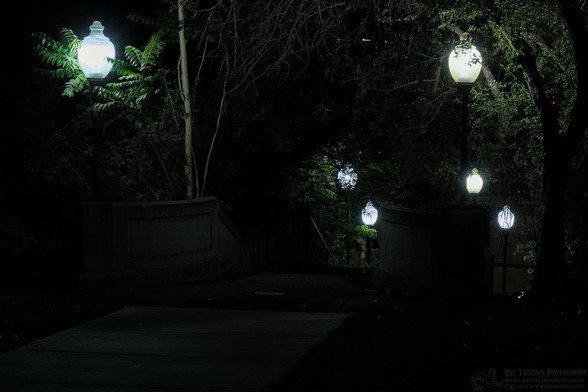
(369, 215)
(506, 218)
(94, 53)
(474, 182)
(347, 178)
(465, 61)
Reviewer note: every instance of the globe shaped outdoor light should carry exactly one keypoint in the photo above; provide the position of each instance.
(369, 215)
(465, 61)
(94, 53)
(474, 182)
(506, 218)
(347, 178)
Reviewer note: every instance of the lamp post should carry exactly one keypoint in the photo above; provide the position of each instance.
(369, 216)
(465, 64)
(347, 179)
(505, 221)
(93, 57)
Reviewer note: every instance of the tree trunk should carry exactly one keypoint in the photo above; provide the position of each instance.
(552, 276)
(552, 273)
(185, 87)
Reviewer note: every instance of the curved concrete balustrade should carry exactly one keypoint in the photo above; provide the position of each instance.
(179, 241)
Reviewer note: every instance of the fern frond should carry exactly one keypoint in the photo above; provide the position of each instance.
(60, 56)
(75, 85)
(134, 56)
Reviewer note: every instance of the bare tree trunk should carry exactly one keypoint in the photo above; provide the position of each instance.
(219, 117)
(185, 88)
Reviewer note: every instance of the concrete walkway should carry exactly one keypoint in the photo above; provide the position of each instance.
(174, 338)
(168, 349)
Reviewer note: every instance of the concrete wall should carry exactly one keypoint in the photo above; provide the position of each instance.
(433, 249)
(176, 241)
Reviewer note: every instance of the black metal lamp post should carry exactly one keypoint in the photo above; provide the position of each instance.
(369, 216)
(93, 57)
(505, 221)
(465, 64)
(347, 178)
